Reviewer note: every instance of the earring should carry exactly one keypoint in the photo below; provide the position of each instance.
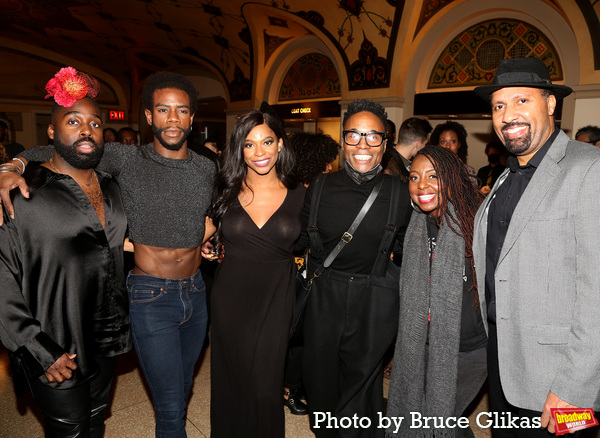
(279, 150)
(415, 206)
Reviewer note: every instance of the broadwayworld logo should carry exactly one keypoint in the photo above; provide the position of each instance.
(573, 419)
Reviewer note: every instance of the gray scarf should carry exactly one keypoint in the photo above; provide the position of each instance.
(424, 375)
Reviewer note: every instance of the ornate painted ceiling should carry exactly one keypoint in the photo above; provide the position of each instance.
(130, 39)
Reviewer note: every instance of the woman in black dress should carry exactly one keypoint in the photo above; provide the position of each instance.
(256, 216)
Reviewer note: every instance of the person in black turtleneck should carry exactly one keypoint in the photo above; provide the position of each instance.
(352, 313)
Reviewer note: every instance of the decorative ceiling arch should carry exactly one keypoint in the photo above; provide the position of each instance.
(367, 59)
(287, 56)
(213, 35)
(312, 76)
(590, 10)
(472, 57)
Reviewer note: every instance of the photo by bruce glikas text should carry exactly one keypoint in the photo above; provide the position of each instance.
(484, 420)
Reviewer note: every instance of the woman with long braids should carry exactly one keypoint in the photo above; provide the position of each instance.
(256, 217)
(440, 355)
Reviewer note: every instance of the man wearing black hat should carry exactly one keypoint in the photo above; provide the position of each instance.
(536, 250)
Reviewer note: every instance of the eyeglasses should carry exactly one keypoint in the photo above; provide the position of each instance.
(373, 139)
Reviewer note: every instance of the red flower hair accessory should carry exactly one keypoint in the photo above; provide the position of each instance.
(68, 86)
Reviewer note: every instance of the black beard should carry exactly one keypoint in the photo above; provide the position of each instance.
(171, 146)
(517, 146)
(76, 159)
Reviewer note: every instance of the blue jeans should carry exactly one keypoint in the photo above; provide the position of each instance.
(168, 326)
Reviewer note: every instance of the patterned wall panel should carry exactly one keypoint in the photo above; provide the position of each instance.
(312, 76)
(473, 56)
(370, 70)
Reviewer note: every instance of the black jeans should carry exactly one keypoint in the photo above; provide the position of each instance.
(350, 322)
(78, 411)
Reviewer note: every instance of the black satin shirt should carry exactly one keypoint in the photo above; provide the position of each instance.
(62, 285)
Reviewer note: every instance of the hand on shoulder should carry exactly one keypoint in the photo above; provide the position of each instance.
(9, 180)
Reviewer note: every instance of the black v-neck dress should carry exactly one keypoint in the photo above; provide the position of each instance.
(251, 311)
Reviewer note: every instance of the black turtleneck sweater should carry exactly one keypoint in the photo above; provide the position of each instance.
(341, 200)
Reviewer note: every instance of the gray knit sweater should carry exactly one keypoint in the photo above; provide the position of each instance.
(165, 199)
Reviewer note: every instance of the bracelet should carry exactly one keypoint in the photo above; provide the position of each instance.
(10, 164)
(5, 165)
(22, 162)
(8, 170)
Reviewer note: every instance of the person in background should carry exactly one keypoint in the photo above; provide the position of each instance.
(412, 137)
(490, 173)
(314, 154)
(63, 302)
(210, 150)
(211, 144)
(8, 149)
(390, 136)
(589, 134)
(390, 133)
(110, 135)
(441, 337)
(127, 136)
(452, 135)
(256, 218)
(352, 312)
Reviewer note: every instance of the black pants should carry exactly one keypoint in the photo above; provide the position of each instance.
(293, 367)
(78, 411)
(498, 402)
(350, 322)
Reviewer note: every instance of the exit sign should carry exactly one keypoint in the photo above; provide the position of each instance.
(116, 115)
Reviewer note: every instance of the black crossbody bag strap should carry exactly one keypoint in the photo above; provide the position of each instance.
(389, 233)
(347, 236)
(313, 232)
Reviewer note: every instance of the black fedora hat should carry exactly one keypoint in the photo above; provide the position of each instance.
(522, 72)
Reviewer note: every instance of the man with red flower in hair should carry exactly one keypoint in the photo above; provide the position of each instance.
(63, 303)
(166, 194)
